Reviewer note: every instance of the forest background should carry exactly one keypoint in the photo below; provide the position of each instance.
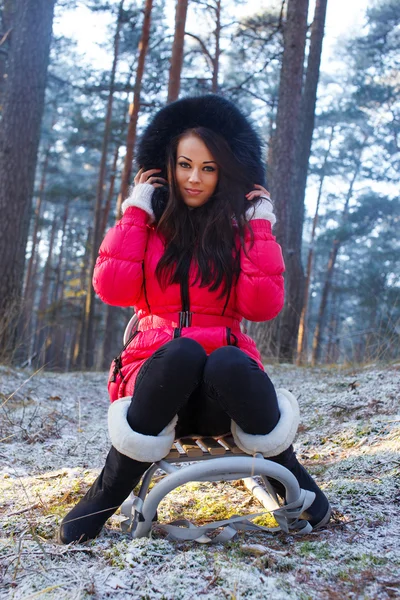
(69, 124)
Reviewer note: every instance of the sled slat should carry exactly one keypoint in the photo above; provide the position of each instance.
(230, 442)
(190, 447)
(212, 445)
(173, 453)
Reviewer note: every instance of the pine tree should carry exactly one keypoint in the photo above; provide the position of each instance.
(19, 141)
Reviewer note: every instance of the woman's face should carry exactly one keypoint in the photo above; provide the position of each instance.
(196, 171)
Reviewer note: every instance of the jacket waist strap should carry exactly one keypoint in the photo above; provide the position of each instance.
(196, 320)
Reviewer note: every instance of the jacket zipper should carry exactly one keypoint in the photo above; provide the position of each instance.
(185, 316)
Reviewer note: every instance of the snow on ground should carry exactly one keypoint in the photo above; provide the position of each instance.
(54, 440)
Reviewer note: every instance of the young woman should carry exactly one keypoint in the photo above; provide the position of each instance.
(194, 255)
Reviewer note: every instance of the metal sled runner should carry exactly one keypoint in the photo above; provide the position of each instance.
(217, 459)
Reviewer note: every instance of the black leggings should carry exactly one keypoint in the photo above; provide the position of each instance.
(205, 392)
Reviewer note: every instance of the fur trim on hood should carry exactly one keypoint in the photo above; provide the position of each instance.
(211, 111)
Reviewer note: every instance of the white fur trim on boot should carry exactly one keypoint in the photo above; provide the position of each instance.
(262, 210)
(144, 448)
(140, 195)
(280, 437)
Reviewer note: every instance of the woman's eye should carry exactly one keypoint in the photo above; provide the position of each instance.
(207, 169)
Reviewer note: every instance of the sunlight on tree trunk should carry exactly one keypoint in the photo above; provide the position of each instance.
(283, 157)
(135, 106)
(174, 83)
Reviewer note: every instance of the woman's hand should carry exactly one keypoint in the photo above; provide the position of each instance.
(140, 194)
(262, 207)
(261, 193)
(149, 177)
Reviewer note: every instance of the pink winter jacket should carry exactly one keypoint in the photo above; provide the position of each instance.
(124, 275)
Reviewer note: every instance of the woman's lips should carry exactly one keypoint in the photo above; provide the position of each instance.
(193, 192)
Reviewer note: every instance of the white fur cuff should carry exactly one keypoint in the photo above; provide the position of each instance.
(140, 195)
(263, 210)
(144, 448)
(280, 437)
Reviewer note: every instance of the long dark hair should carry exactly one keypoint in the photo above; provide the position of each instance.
(208, 234)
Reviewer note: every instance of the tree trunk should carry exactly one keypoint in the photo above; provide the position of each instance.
(6, 18)
(135, 107)
(50, 314)
(217, 34)
(337, 242)
(28, 346)
(289, 218)
(110, 194)
(59, 284)
(58, 325)
(77, 354)
(174, 83)
(316, 350)
(308, 103)
(289, 321)
(332, 353)
(25, 330)
(303, 333)
(37, 216)
(42, 322)
(304, 141)
(19, 141)
(89, 341)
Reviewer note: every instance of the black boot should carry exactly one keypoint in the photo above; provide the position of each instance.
(318, 514)
(114, 484)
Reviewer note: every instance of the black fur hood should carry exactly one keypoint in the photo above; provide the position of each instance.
(214, 112)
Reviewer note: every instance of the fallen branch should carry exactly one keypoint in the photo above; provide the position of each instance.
(23, 510)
